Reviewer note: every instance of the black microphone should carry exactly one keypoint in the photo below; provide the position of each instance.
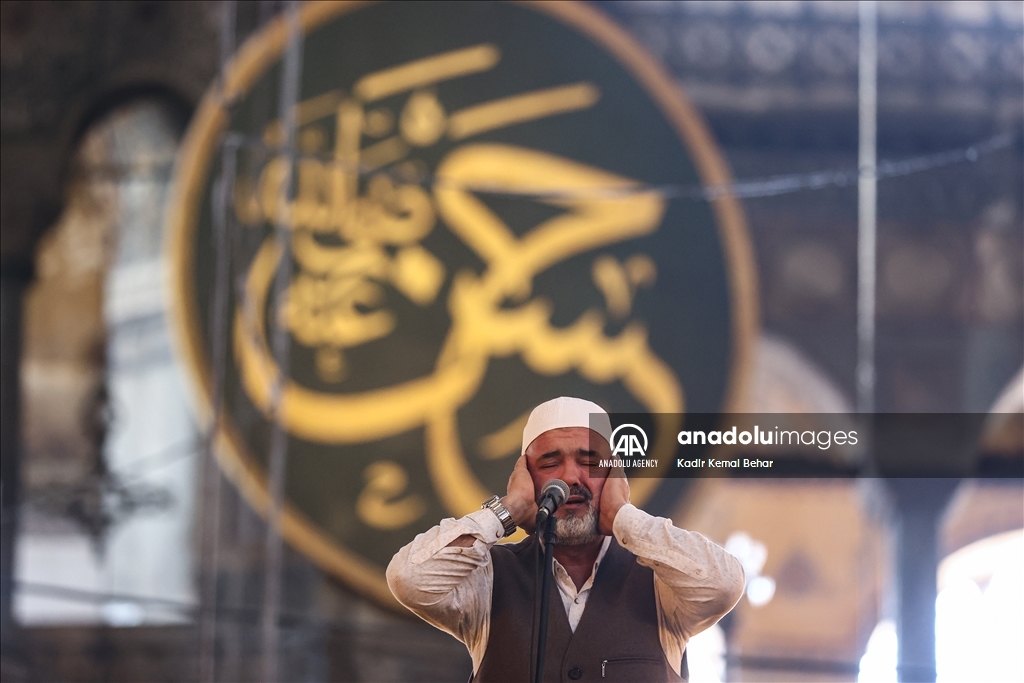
(552, 496)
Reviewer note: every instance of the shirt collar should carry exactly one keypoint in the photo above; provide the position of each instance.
(556, 565)
(601, 554)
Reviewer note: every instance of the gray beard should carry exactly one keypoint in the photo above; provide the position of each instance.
(577, 530)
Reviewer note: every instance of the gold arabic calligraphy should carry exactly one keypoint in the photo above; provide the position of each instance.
(350, 238)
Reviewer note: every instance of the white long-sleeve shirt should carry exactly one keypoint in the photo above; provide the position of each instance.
(696, 582)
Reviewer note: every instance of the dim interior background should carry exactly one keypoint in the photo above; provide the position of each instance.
(110, 502)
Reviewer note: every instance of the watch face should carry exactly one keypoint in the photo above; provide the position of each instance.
(476, 228)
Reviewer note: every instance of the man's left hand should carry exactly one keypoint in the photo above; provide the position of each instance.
(614, 495)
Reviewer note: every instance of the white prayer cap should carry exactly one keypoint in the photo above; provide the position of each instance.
(566, 411)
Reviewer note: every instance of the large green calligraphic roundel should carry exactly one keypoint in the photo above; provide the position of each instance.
(472, 231)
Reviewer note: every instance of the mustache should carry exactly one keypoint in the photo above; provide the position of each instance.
(577, 490)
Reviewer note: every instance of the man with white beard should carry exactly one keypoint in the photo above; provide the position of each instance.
(632, 588)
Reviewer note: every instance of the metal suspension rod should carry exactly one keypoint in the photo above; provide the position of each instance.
(212, 481)
(867, 205)
(277, 459)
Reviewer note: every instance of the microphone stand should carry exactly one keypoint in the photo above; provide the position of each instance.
(545, 589)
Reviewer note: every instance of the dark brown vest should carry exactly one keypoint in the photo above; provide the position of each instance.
(617, 637)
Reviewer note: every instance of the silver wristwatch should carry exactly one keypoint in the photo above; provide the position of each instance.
(494, 505)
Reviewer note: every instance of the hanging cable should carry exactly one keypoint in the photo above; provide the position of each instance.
(769, 186)
(753, 188)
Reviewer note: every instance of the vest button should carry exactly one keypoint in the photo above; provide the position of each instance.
(575, 673)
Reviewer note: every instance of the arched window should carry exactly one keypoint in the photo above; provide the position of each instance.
(979, 624)
(109, 441)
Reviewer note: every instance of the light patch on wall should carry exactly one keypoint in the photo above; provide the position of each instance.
(813, 272)
(916, 276)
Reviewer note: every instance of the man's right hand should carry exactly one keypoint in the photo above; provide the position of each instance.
(520, 501)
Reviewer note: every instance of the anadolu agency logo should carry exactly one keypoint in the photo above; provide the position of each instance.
(629, 447)
(462, 240)
(629, 441)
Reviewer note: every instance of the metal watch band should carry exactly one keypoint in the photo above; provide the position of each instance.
(494, 505)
